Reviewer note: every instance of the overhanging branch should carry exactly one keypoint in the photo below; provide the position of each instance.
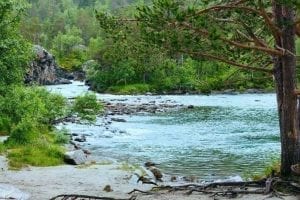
(227, 61)
(273, 28)
(268, 50)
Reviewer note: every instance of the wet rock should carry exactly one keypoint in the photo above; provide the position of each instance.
(190, 107)
(189, 178)
(87, 152)
(229, 91)
(76, 157)
(82, 138)
(149, 164)
(107, 188)
(156, 172)
(148, 93)
(11, 192)
(63, 81)
(173, 178)
(118, 120)
(253, 91)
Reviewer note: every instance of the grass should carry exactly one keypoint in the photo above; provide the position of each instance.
(130, 89)
(46, 150)
(273, 168)
(2, 148)
(128, 167)
(35, 155)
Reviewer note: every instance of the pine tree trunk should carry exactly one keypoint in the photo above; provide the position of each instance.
(285, 79)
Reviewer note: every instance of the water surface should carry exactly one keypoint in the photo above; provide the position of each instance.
(223, 136)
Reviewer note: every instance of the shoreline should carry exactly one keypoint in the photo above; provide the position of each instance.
(48, 182)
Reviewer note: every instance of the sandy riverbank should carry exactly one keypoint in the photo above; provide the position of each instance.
(47, 182)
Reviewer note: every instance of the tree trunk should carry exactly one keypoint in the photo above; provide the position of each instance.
(285, 79)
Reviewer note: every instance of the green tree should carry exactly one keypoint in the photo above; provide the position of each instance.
(69, 50)
(242, 34)
(14, 50)
(252, 35)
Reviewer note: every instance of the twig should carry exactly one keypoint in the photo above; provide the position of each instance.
(75, 196)
(141, 191)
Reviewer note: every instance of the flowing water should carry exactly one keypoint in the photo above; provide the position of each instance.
(223, 136)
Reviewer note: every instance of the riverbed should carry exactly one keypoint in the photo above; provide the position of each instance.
(221, 137)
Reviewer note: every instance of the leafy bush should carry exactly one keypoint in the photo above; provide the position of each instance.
(87, 107)
(26, 112)
(61, 136)
(130, 89)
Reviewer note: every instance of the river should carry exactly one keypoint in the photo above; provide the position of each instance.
(223, 136)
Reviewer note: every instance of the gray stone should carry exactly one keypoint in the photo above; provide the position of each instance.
(253, 91)
(11, 192)
(44, 70)
(118, 120)
(63, 81)
(76, 157)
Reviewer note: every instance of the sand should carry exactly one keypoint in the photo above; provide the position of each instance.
(47, 182)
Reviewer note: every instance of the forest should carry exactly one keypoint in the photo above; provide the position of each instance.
(121, 60)
(188, 49)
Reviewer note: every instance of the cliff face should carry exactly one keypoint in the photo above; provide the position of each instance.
(44, 70)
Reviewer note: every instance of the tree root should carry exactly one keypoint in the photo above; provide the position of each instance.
(82, 197)
(224, 189)
(230, 189)
(141, 191)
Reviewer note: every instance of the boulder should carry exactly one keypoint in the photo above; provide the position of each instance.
(44, 70)
(11, 192)
(77, 157)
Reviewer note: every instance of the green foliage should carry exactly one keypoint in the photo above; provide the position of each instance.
(14, 51)
(130, 89)
(69, 49)
(26, 111)
(151, 50)
(2, 148)
(87, 107)
(61, 136)
(35, 155)
(273, 169)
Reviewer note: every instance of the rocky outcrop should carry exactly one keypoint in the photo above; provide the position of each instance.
(44, 70)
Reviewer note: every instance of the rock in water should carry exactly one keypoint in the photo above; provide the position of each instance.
(76, 157)
(11, 192)
(150, 164)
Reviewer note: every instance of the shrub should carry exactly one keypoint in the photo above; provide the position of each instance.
(130, 89)
(61, 136)
(26, 112)
(87, 107)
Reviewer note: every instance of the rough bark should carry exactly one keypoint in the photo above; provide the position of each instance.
(285, 79)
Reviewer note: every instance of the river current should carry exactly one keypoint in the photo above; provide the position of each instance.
(221, 137)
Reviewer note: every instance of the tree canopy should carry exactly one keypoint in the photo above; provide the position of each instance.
(13, 48)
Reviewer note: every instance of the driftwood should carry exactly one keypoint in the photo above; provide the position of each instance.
(87, 197)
